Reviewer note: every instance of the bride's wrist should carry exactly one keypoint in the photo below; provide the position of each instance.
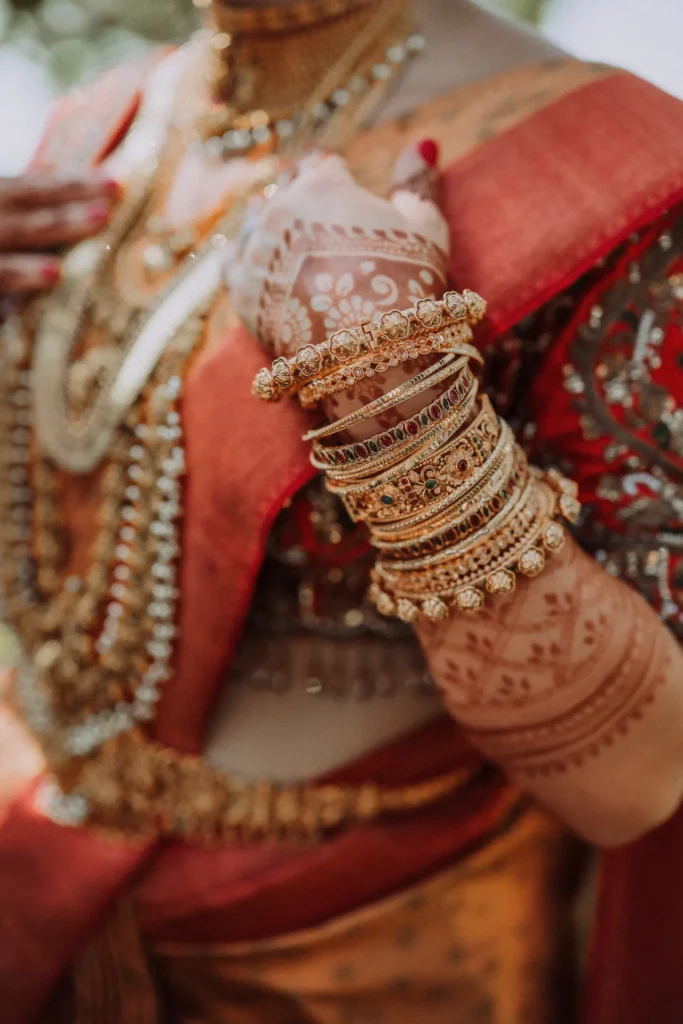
(354, 367)
(370, 388)
(343, 403)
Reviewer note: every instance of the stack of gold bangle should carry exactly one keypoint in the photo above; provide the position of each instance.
(454, 510)
(357, 454)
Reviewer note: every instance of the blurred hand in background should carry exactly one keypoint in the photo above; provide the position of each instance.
(41, 214)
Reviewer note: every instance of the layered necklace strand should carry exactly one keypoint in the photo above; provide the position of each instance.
(77, 438)
(99, 646)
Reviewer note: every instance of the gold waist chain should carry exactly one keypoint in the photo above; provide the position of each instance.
(143, 788)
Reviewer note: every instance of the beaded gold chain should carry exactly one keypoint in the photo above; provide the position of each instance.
(342, 60)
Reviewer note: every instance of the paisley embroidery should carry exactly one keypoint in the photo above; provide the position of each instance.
(620, 429)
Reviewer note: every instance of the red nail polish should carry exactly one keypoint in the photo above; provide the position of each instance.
(112, 187)
(50, 273)
(429, 151)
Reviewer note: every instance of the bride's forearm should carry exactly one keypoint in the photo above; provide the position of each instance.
(571, 683)
(575, 687)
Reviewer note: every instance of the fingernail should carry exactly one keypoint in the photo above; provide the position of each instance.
(49, 273)
(429, 151)
(97, 212)
(112, 187)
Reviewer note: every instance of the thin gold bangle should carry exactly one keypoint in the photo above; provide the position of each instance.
(331, 457)
(444, 368)
(365, 474)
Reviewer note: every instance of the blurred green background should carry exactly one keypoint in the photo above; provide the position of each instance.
(72, 39)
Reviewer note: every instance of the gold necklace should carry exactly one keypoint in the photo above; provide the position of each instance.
(77, 438)
(100, 647)
(334, 61)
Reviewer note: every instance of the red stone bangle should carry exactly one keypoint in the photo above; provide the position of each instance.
(325, 456)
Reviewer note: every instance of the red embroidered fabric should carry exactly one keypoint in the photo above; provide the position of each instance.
(607, 405)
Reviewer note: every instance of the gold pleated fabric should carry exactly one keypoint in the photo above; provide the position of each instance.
(485, 942)
(111, 980)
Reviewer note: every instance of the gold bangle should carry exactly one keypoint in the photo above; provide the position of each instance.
(456, 529)
(500, 457)
(365, 489)
(427, 378)
(325, 457)
(417, 482)
(497, 476)
(490, 567)
(478, 556)
(489, 562)
(396, 327)
(361, 495)
(518, 508)
(366, 473)
(452, 339)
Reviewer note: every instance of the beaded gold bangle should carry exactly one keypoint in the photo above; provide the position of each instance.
(428, 378)
(460, 578)
(451, 339)
(455, 314)
(490, 568)
(324, 457)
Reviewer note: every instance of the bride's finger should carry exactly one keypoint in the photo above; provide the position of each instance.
(416, 191)
(417, 170)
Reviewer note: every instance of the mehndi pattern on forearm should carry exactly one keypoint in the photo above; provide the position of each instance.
(556, 675)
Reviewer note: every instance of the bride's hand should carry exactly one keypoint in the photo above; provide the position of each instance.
(322, 252)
